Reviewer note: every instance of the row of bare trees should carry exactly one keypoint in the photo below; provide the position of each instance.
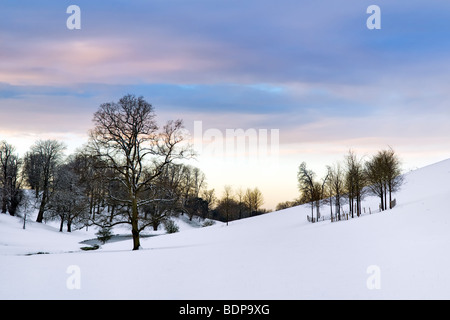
(238, 204)
(37, 169)
(82, 189)
(350, 181)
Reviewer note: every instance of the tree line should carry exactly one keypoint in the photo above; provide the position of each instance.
(348, 182)
(131, 171)
(238, 204)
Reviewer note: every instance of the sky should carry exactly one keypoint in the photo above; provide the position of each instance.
(307, 79)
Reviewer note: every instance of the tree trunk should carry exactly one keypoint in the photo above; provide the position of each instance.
(135, 233)
(358, 205)
(113, 209)
(61, 224)
(351, 205)
(91, 204)
(390, 196)
(4, 199)
(331, 206)
(317, 210)
(40, 215)
(134, 225)
(338, 206)
(4, 205)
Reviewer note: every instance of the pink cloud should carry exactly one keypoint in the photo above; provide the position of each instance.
(158, 58)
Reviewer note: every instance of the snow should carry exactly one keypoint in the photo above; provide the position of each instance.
(274, 256)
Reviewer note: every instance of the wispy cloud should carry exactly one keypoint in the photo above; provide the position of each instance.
(309, 68)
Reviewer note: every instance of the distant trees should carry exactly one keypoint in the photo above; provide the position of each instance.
(209, 195)
(227, 203)
(68, 201)
(355, 182)
(350, 181)
(307, 185)
(40, 169)
(253, 200)
(9, 178)
(234, 205)
(336, 186)
(166, 195)
(288, 204)
(312, 191)
(384, 178)
(32, 171)
(92, 176)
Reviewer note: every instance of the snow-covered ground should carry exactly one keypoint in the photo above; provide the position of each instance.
(397, 254)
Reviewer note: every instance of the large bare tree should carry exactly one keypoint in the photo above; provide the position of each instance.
(127, 139)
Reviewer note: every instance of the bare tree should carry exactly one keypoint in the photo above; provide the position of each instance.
(288, 204)
(67, 200)
(198, 181)
(393, 173)
(9, 178)
(46, 155)
(209, 195)
(375, 178)
(127, 139)
(253, 199)
(355, 182)
(93, 180)
(226, 201)
(32, 171)
(306, 184)
(240, 197)
(167, 192)
(319, 192)
(384, 177)
(258, 199)
(336, 183)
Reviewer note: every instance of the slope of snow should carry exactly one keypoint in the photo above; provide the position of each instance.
(36, 238)
(273, 256)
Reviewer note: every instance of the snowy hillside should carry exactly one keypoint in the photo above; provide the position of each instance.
(397, 254)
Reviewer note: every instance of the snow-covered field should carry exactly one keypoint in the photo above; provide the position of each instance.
(397, 254)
